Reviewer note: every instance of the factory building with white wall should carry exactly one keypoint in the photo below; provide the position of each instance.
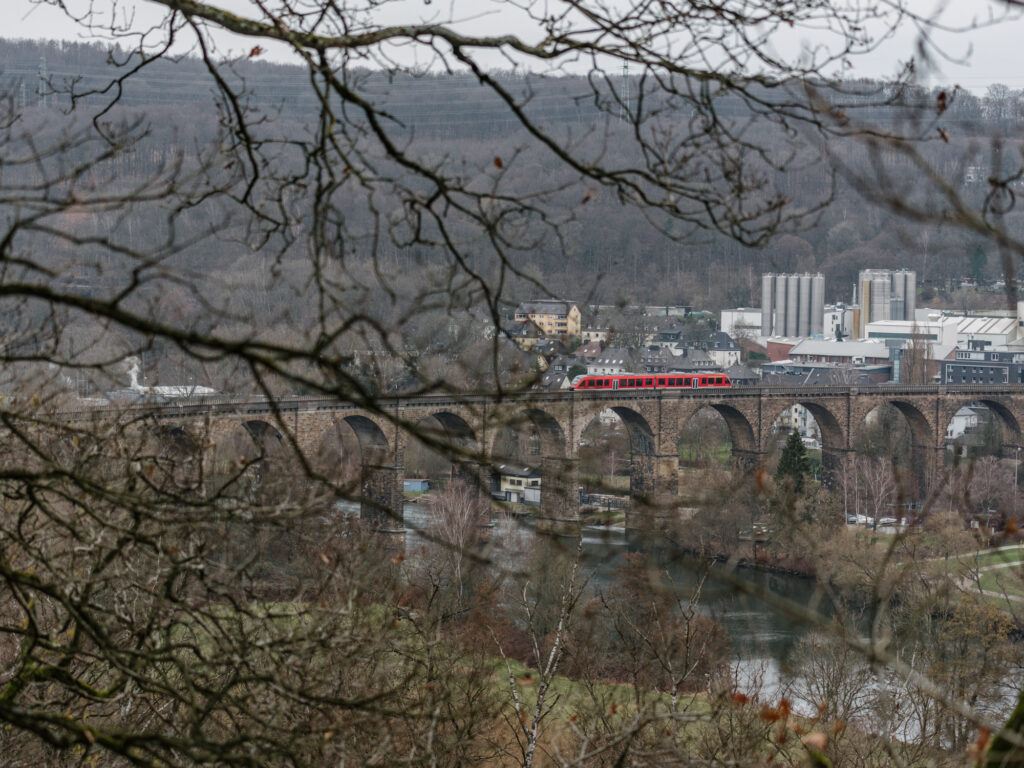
(952, 330)
(740, 321)
(792, 305)
(840, 320)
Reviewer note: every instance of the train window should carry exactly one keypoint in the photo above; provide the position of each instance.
(661, 381)
(648, 382)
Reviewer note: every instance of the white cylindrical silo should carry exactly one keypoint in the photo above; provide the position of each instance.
(817, 305)
(803, 326)
(779, 328)
(897, 297)
(792, 305)
(767, 292)
(910, 306)
(880, 295)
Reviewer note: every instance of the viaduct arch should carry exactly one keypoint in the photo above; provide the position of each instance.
(468, 427)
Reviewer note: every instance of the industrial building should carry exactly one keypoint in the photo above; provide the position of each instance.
(741, 320)
(885, 294)
(792, 305)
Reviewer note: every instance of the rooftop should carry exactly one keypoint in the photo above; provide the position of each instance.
(545, 307)
(840, 348)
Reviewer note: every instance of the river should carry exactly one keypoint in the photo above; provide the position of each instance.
(761, 636)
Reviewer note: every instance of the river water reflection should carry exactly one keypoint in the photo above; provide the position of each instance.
(762, 636)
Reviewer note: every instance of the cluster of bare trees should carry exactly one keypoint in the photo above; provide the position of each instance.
(190, 599)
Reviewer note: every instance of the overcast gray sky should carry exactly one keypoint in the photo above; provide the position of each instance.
(977, 58)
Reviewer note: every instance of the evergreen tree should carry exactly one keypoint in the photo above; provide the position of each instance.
(794, 465)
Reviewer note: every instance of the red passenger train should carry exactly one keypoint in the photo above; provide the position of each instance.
(592, 383)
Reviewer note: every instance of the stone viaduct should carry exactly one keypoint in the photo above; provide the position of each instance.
(467, 426)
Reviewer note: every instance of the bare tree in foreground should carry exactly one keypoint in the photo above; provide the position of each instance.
(168, 603)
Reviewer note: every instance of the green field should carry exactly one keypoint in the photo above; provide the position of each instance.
(720, 453)
(1004, 580)
(1014, 555)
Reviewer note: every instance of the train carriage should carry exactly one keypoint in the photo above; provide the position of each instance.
(632, 381)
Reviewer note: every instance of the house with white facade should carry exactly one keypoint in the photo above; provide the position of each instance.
(612, 360)
(723, 350)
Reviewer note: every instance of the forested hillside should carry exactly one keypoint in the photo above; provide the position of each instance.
(611, 250)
